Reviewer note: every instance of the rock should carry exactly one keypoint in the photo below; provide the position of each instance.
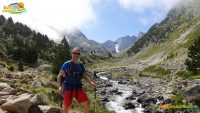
(2, 101)
(23, 90)
(52, 85)
(38, 100)
(108, 85)
(131, 97)
(169, 90)
(184, 101)
(119, 93)
(3, 85)
(147, 99)
(192, 93)
(103, 92)
(10, 90)
(2, 111)
(137, 93)
(34, 109)
(4, 93)
(19, 105)
(114, 91)
(44, 67)
(5, 89)
(8, 75)
(122, 82)
(26, 75)
(36, 83)
(129, 106)
(48, 109)
(105, 100)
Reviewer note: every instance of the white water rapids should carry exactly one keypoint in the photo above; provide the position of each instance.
(117, 101)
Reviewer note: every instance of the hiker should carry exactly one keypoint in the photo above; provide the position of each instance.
(70, 83)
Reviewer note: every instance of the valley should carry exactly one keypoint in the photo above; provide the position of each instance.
(154, 72)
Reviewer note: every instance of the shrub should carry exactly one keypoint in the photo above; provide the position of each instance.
(171, 55)
(11, 68)
(193, 60)
(20, 66)
(54, 77)
(177, 99)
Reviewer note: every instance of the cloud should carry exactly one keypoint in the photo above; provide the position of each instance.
(53, 16)
(150, 11)
(143, 5)
(154, 17)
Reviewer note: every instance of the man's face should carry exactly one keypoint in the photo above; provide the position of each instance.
(75, 54)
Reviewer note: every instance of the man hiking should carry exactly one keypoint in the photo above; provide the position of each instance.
(70, 83)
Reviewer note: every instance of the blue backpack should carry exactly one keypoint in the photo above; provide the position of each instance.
(73, 76)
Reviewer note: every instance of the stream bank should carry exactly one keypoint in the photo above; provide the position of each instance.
(124, 96)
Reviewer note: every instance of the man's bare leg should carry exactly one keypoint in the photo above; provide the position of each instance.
(86, 106)
(66, 109)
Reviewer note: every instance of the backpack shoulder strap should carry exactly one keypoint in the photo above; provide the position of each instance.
(68, 70)
(82, 67)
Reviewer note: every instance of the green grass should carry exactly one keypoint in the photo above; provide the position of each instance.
(155, 71)
(188, 75)
(54, 98)
(177, 99)
(167, 47)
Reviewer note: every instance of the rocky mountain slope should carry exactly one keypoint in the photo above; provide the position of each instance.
(122, 43)
(170, 39)
(77, 39)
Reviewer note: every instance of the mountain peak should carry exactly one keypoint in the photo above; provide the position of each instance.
(123, 43)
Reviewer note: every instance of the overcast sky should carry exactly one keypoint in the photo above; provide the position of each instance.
(99, 20)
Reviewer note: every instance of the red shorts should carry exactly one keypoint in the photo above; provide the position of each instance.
(81, 96)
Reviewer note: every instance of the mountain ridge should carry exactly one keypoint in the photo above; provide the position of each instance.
(170, 37)
(123, 43)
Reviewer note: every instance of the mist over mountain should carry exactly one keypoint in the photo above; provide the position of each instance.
(77, 39)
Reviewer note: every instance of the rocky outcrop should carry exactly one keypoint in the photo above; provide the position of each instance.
(129, 106)
(192, 93)
(21, 104)
(49, 109)
(20, 101)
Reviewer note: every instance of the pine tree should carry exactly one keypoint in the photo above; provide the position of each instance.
(62, 55)
(193, 60)
(9, 27)
(2, 19)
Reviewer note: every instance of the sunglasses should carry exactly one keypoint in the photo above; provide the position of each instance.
(76, 53)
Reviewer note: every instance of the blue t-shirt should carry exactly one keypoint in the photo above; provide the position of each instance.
(79, 66)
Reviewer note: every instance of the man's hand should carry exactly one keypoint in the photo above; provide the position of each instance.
(93, 85)
(60, 90)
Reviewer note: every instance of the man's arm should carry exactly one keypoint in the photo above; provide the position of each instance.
(87, 79)
(59, 77)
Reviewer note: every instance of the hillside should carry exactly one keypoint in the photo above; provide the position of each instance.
(27, 62)
(170, 38)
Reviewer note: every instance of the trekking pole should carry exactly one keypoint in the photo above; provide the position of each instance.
(61, 106)
(95, 93)
(61, 102)
(95, 97)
